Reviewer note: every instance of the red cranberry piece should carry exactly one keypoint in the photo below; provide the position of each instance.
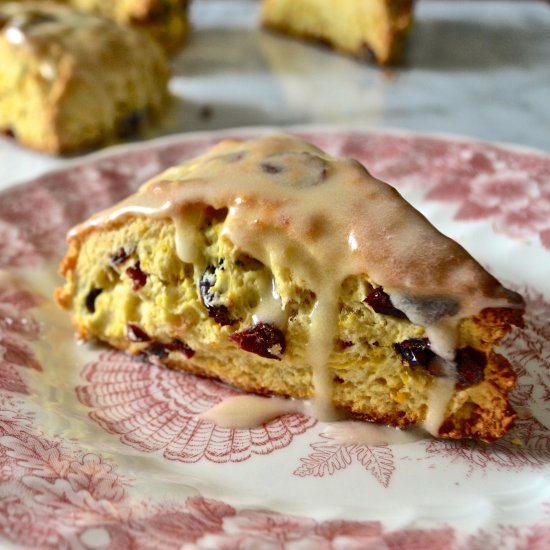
(415, 351)
(160, 351)
(136, 333)
(138, 277)
(157, 350)
(180, 347)
(221, 315)
(120, 257)
(470, 366)
(262, 339)
(218, 312)
(91, 297)
(380, 301)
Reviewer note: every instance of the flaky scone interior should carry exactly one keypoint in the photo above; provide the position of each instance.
(276, 268)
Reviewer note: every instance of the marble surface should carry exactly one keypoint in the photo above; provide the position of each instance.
(474, 68)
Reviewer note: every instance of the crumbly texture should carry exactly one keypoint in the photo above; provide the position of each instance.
(71, 81)
(127, 286)
(166, 21)
(374, 30)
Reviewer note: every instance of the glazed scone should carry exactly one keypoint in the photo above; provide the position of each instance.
(370, 29)
(274, 267)
(166, 21)
(72, 81)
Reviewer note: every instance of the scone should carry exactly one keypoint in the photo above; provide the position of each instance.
(371, 29)
(166, 21)
(72, 81)
(274, 267)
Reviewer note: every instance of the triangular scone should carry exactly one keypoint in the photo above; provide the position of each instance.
(371, 29)
(281, 270)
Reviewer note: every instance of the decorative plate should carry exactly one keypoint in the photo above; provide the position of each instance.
(99, 450)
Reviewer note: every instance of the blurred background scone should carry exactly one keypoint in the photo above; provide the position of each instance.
(72, 81)
(369, 29)
(164, 20)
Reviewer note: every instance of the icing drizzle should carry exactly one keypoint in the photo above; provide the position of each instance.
(51, 30)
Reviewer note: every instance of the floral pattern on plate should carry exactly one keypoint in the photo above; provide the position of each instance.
(156, 409)
(64, 491)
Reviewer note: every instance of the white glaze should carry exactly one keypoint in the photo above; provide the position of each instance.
(270, 309)
(440, 393)
(39, 25)
(251, 411)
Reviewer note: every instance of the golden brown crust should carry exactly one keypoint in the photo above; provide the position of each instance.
(495, 419)
(382, 44)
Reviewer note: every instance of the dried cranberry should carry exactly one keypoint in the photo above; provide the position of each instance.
(91, 298)
(415, 351)
(470, 366)
(120, 257)
(218, 312)
(161, 351)
(136, 334)
(138, 277)
(380, 301)
(261, 339)
(180, 347)
(157, 350)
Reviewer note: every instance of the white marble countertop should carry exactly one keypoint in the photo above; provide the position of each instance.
(474, 68)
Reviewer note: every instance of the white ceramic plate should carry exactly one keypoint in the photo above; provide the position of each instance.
(100, 450)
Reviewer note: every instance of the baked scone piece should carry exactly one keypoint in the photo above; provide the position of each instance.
(370, 29)
(166, 21)
(281, 270)
(71, 81)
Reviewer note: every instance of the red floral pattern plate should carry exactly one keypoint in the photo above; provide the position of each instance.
(98, 450)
